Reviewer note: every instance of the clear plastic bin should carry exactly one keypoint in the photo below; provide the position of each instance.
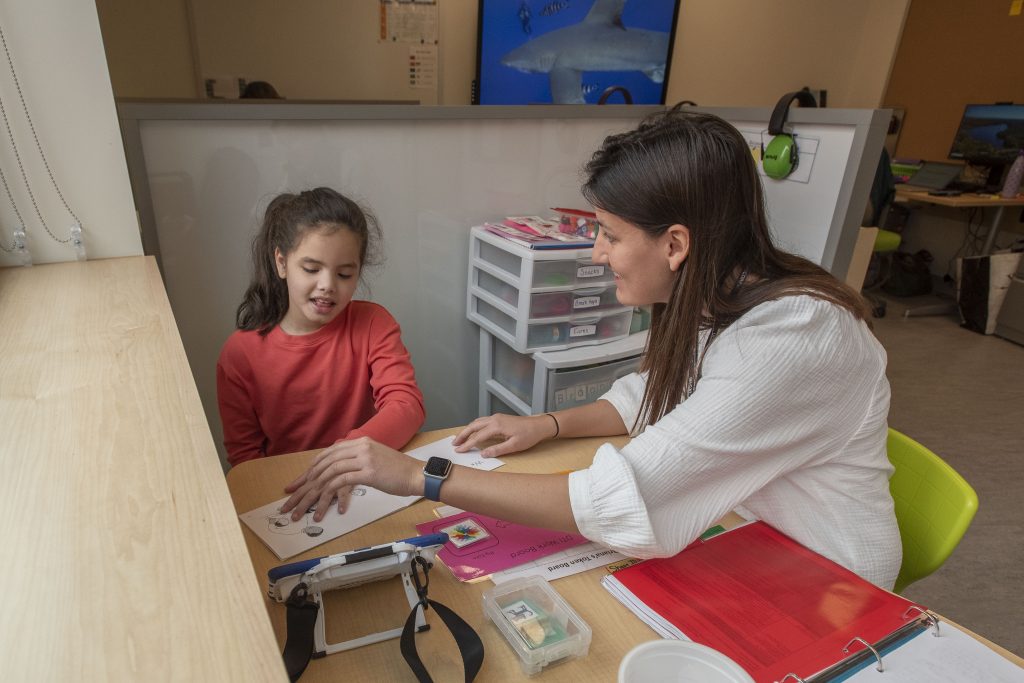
(551, 304)
(571, 388)
(540, 627)
(574, 330)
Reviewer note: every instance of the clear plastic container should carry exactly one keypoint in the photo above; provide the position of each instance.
(540, 627)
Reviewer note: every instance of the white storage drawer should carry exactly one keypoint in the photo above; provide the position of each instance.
(529, 384)
(571, 388)
(538, 300)
(538, 269)
(527, 336)
(550, 304)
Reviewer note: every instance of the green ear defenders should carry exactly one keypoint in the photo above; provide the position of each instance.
(780, 157)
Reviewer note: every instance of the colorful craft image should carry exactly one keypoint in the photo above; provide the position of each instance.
(465, 532)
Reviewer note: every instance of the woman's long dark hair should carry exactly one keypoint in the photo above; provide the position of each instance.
(287, 220)
(696, 170)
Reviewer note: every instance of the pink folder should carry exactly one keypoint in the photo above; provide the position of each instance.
(479, 545)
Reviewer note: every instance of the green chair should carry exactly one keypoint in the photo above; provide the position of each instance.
(934, 507)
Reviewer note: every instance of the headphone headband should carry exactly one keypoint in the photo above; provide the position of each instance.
(778, 120)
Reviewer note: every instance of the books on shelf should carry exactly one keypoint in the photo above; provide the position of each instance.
(534, 232)
(768, 603)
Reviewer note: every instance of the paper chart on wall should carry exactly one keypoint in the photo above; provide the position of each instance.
(286, 538)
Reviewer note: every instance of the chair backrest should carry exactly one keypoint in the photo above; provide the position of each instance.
(934, 507)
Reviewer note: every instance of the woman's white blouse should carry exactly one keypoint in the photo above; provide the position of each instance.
(787, 422)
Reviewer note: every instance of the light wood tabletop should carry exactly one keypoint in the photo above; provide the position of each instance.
(122, 555)
(381, 606)
(967, 200)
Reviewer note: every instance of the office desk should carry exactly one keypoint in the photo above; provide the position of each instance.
(615, 629)
(122, 555)
(965, 201)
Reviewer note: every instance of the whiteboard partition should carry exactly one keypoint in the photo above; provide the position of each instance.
(203, 175)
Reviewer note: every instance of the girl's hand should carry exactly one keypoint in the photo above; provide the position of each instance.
(345, 464)
(515, 433)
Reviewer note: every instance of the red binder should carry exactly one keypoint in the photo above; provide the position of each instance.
(767, 602)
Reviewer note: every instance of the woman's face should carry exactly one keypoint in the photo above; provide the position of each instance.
(645, 267)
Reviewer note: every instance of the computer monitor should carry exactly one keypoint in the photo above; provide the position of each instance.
(579, 52)
(990, 135)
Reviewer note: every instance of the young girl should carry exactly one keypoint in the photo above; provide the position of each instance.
(761, 386)
(308, 365)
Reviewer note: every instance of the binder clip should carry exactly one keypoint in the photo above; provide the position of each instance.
(77, 243)
(21, 247)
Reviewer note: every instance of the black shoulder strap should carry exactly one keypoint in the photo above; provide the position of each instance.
(298, 649)
(302, 613)
(470, 646)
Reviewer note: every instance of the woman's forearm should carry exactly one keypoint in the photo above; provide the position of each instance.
(540, 500)
(594, 419)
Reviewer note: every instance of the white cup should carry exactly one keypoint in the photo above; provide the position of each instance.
(679, 661)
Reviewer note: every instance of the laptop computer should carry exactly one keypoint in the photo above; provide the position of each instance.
(934, 175)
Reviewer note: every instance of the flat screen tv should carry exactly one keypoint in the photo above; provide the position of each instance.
(990, 135)
(574, 51)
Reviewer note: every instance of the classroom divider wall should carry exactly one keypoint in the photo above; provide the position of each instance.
(202, 175)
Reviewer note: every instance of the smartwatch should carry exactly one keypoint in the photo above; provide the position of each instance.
(434, 474)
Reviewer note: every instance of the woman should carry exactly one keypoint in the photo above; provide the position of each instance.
(762, 387)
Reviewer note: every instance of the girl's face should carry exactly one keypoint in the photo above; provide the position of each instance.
(322, 273)
(645, 267)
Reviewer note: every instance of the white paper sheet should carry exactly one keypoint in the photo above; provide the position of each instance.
(953, 656)
(566, 563)
(286, 538)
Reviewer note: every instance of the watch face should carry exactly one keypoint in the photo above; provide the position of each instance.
(438, 467)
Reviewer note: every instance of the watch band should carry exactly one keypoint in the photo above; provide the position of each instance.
(432, 487)
(435, 473)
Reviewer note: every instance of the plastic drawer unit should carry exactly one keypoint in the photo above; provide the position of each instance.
(537, 300)
(529, 384)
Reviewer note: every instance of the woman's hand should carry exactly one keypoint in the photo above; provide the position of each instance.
(513, 432)
(345, 464)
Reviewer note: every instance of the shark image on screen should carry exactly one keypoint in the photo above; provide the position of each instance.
(574, 51)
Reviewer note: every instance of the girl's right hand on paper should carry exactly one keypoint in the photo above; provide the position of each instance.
(514, 433)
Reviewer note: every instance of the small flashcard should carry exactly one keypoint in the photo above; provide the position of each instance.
(466, 532)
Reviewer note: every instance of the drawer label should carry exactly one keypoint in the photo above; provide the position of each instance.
(586, 301)
(582, 330)
(589, 271)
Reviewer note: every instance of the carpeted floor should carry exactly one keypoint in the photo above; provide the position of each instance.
(962, 395)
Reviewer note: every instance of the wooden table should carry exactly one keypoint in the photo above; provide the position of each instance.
(383, 606)
(966, 201)
(122, 556)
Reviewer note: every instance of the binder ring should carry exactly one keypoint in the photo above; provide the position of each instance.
(846, 650)
(929, 618)
(793, 676)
